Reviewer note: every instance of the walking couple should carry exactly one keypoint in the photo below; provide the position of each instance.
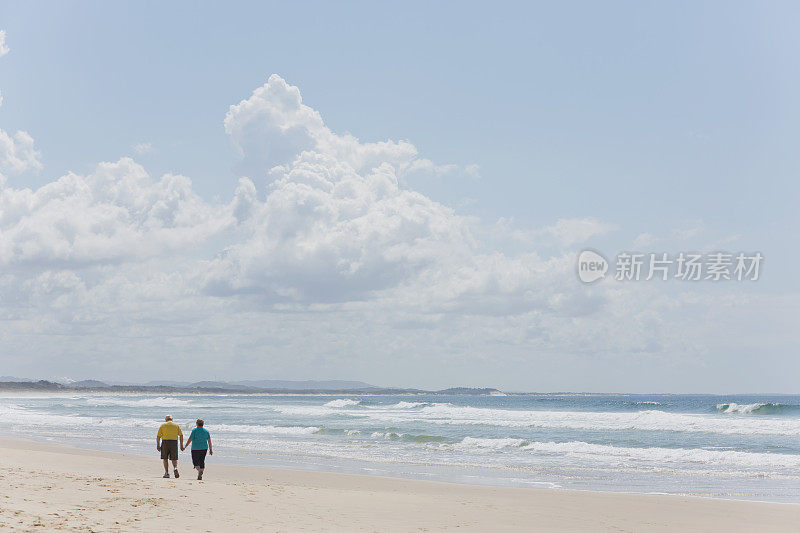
(167, 443)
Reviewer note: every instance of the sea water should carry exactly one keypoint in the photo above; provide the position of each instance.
(741, 447)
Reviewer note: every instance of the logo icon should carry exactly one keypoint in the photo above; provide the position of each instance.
(591, 266)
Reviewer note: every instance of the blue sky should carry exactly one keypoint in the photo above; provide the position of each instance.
(677, 122)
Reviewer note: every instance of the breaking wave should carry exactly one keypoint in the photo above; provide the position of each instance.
(602, 453)
(269, 430)
(124, 401)
(647, 420)
(757, 408)
(343, 402)
(408, 405)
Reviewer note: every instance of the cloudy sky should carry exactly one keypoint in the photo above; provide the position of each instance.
(397, 194)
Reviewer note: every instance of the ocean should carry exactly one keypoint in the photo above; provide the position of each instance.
(736, 446)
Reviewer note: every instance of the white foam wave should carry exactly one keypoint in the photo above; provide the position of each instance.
(493, 444)
(125, 401)
(343, 402)
(648, 420)
(22, 417)
(15, 415)
(621, 455)
(385, 435)
(739, 408)
(407, 405)
(268, 430)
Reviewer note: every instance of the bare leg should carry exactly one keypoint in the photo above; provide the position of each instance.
(166, 466)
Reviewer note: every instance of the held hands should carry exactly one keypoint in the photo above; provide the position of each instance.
(183, 448)
(158, 447)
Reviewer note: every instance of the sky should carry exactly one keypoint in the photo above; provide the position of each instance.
(398, 193)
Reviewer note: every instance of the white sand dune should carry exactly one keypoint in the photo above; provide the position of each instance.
(48, 487)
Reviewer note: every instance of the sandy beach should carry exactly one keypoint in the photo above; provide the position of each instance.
(49, 487)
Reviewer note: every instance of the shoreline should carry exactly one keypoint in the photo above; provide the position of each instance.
(185, 457)
(153, 390)
(63, 487)
(444, 440)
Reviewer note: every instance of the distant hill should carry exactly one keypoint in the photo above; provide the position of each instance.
(468, 391)
(222, 387)
(218, 385)
(30, 385)
(88, 384)
(333, 384)
(271, 384)
(166, 384)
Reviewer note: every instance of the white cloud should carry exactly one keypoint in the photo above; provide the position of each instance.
(143, 148)
(327, 232)
(4, 49)
(115, 214)
(17, 153)
(566, 232)
(643, 240)
(688, 230)
(571, 231)
(322, 258)
(335, 223)
(273, 127)
(472, 170)
(722, 243)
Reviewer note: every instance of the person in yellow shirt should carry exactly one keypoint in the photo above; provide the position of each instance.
(167, 443)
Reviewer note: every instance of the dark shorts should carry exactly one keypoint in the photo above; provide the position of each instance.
(169, 449)
(199, 458)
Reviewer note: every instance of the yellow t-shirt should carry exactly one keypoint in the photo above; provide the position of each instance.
(170, 431)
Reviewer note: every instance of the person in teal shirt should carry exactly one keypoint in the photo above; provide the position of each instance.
(200, 439)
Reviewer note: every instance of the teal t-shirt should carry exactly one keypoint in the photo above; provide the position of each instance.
(200, 438)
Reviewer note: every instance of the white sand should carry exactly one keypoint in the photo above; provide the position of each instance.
(47, 487)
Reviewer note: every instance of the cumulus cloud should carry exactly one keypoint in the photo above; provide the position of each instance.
(115, 214)
(325, 231)
(321, 254)
(336, 222)
(273, 127)
(17, 153)
(331, 223)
